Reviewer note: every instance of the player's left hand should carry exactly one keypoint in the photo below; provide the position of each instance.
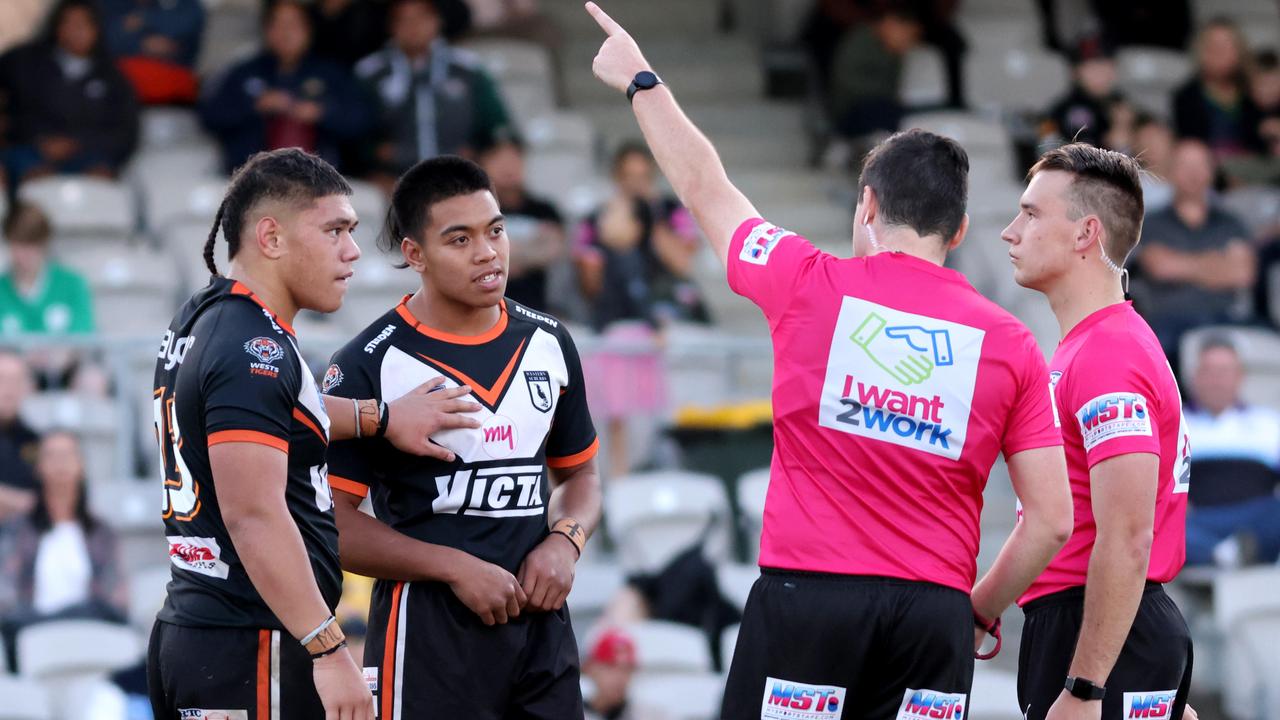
(1068, 707)
(619, 58)
(547, 573)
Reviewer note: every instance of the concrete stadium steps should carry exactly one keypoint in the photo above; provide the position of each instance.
(723, 67)
(643, 19)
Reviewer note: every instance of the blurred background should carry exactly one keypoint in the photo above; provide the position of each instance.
(120, 119)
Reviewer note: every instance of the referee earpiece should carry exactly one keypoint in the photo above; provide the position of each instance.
(871, 237)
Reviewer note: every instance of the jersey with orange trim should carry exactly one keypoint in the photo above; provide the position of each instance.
(490, 502)
(230, 371)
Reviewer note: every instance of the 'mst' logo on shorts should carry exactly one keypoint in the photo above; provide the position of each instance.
(1151, 705)
(932, 705)
(786, 700)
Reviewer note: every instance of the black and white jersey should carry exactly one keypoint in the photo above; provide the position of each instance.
(230, 371)
(491, 501)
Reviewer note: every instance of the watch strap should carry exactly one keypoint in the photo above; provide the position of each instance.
(1084, 689)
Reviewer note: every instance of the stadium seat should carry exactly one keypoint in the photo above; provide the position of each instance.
(1148, 76)
(1246, 606)
(1257, 206)
(994, 695)
(556, 172)
(182, 199)
(526, 98)
(84, 207)
(97, 422)
(752, 488)
(507, 59)
(924, 78)
(135, 290)
(147, 590)
(1013, 79)
(1015, 27)
(22, 699)
(166, 177)
(654, 516)
(168, 127)
(669, 647)
(76, 647)
(735, 581)
(976, 133)
(694, 696)
(128, 504)
(729, 643)
(561, 131)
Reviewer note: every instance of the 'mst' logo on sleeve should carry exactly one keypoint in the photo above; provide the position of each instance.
(1120, 414)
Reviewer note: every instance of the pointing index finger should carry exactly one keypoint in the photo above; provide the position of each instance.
(606, 23)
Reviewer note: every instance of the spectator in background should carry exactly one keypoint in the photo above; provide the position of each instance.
(534, 226)
(1084, 114)
(284, 96)
(156, 43)
(1195, 255)
(866, 73)
(606, 675)
(1214, 106)
(37, 295)
(19, 20)
(60, 561)
(634, 258)
(1153, 147)
(1163, 23)
(1264, 90)
(521, 20)
(1235, 514)
(18, 443)
(347, 30)
(431, 99)
(70, 108)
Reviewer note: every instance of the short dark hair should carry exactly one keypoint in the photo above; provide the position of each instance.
(49, 33)
(418, 190)
(27, 223)
(1218, 341)
(1105, 183)
(40, 511)
(627, 149)
(288, 175)
(1266, 61)
(921, 181)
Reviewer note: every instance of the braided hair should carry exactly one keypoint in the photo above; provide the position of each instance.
(288, 175)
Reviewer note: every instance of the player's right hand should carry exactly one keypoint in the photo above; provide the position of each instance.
(341, 686)
(490, 592)
(425, 410)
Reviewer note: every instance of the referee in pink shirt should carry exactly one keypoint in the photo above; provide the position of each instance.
(896, 385)
(1102, 639)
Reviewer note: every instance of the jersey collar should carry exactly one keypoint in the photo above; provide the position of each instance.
(238, 288)
(487, 336)
(1096, 317)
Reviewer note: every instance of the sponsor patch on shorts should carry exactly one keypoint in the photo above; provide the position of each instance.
(927, 704)
(202, 714)
(371, 678)
(787, 700)
(1149, 705)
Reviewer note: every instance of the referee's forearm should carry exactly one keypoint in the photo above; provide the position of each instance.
(1027, 552)
(1113, 591)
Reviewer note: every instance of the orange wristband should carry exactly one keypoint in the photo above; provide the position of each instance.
(572, 529)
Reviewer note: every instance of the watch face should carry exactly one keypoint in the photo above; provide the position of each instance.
(646, 80)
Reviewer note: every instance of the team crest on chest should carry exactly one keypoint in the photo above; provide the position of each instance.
(539, 384)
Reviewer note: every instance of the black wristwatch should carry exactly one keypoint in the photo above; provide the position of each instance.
(1084, 689)
(644, 80)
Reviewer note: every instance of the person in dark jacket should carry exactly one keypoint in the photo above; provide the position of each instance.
(432, 98)
(70, 109)
(1084, 113)
(1214, 106)
(284, 96)
(157, 42)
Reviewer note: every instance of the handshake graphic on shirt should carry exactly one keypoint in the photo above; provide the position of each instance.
(925, 349)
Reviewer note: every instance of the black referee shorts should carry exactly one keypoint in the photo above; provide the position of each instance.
(431, 657)
(229, 674)
(1150, 678)
(852, 647)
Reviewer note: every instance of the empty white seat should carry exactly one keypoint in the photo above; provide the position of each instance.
(147, 589)
(84, 206)
(654, 516)
(76, 647)
(134, 289)
(735, 581)
(561, 131)
(1257, 206)
(729, 643)
(688, 696)
(752, 488)
(556, 172)
(182, 199)
(924, 77)
(1008, 78)
(22, 699)
(669, 647)
(166, 127)
(95, 421)
(1246, 608)
(974, 132)
(506, 59)
(1148, 76)
(128, 504)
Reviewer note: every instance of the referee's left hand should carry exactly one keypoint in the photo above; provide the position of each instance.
(547, 573)
(619, 58)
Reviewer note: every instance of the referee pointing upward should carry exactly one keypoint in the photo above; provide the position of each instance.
(895, 387)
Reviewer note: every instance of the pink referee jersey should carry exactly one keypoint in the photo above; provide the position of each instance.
(1116, 394)
(895, 386)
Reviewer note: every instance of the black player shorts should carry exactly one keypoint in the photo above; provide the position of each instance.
(1150, 678)
(229, 674)
(428, 656)
(816, 646)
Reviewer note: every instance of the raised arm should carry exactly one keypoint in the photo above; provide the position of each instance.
(688, 160)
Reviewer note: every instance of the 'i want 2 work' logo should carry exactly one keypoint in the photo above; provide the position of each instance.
(899, 377)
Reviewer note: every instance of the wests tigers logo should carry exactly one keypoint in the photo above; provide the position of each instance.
(264, 349)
